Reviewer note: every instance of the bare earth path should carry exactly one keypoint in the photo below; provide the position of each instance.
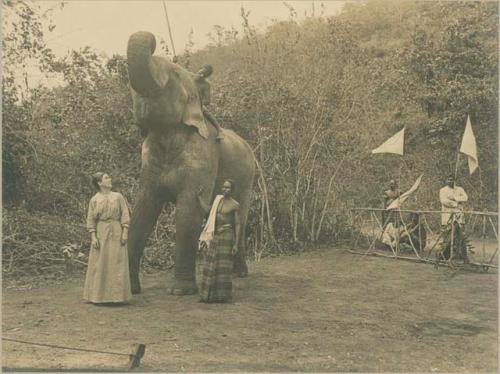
(325, 310)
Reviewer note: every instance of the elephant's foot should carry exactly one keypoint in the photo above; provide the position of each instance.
(182, 287)
(135, 286)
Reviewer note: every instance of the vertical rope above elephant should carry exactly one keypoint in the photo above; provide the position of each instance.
(169, 29)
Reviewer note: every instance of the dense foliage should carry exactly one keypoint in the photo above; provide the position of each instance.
(311, 97)
(315, 97)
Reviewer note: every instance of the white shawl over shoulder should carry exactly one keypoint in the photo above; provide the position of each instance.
(207, 235)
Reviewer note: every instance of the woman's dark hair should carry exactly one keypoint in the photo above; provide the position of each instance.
(96, 178)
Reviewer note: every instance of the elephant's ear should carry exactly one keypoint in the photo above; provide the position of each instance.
(193, 116)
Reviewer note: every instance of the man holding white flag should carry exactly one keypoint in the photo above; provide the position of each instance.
(404, 196)
(389, 196)
(395, 144)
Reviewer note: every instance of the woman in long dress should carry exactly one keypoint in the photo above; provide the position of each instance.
(221, 236)
(107, 279)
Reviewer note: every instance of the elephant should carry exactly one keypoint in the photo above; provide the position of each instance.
(179, 155)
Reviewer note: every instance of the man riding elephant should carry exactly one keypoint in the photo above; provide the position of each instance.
(204, 89)
(179, 154)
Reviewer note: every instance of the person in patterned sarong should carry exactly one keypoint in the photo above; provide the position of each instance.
(220, 239)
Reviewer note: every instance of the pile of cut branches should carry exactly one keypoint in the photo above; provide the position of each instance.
(47, 246)
(37, 245)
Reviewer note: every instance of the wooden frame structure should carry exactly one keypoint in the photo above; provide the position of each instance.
(367, 225)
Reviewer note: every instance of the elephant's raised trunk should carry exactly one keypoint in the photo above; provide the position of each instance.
(141, 46)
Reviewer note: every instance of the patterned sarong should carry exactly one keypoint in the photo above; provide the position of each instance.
(216, 278)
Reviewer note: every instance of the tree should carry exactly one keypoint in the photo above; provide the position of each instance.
(24, 54)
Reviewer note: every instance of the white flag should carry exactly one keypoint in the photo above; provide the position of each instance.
(395, 144)
(404, 196)
(469, 148)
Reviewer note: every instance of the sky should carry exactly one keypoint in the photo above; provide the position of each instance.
(106, 25)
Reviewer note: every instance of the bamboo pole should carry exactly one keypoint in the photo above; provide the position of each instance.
(496, 235)
(484, 238)
(409, 236)
(379, 222)
(484, 264)
(428, 226)
(456, 167)
(398, 213)
(379, 238)
(494, 228)
(419, 236)
(492, 257)
(493, 214)
(452, 235)
(415, 259)
(380, 225)
(169, 30)
(372, 224)
(441, 234)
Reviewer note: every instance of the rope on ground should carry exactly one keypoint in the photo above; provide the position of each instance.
(69, 348)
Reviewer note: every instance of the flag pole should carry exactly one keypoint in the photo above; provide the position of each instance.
(398, 213)
(452, 214)
(458, 159)
(456, 168)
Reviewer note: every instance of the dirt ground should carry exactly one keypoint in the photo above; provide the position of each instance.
(326, 310)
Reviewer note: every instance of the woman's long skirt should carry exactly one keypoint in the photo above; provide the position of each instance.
(216, 278)
(107, 279)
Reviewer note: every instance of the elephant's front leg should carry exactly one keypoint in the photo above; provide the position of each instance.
(144, 215)
(188, 218)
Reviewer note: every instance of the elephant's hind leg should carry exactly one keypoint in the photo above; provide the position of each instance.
(240, 265)
(144, 215)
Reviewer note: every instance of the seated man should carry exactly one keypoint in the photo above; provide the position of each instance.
(203, 86)
(390, 237)
(414, 234)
